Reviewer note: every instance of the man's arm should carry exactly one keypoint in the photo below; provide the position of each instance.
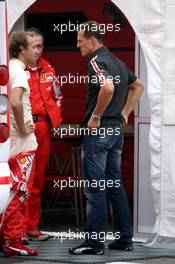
(17, 106)
(104, 98)
(136, 89)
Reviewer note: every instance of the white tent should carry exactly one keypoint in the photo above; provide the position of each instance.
(153, 23)
(15, 9)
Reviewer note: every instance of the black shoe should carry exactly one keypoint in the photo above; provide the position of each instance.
(120, 246)
(87, 247)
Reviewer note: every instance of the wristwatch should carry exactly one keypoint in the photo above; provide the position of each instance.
(96, 118)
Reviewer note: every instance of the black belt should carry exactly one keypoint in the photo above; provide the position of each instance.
(38, 118)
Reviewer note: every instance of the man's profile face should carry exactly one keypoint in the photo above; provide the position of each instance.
(29, 52)
(37, 46)
(85, 45)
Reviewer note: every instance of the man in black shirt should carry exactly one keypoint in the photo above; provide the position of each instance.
(108, 83)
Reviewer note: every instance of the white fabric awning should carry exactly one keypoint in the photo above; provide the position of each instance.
(154, 23)
(15, 8)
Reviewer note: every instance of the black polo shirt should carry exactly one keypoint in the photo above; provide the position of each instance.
(102, 65)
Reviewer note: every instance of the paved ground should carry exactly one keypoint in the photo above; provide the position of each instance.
(148, 261)
(156, 261)
(53, 251)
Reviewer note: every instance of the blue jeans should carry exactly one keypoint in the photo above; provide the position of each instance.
(101, 169)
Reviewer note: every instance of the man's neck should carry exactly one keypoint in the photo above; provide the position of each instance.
(21, 58)
(33, 65)
(97, 47)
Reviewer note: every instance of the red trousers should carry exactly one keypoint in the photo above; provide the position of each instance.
(33, 204)
(12, 224)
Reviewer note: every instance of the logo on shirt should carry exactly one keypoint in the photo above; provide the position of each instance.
(43, 78)
(46, 77)
(22, 161)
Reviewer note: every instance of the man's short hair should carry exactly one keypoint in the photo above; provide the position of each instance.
(35, 31)
(17, 41)
(92, 29)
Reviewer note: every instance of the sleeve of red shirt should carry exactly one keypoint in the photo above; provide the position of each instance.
(57, 95)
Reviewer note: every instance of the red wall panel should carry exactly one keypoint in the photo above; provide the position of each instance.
(71, 62)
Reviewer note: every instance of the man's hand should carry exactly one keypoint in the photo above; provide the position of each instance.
(28, 128)
(94, 122)
(136, 89)
(124, 119)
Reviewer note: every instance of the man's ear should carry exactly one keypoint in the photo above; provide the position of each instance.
(94, 40)
(22, 49)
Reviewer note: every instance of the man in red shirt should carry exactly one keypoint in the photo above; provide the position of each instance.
(45, 101)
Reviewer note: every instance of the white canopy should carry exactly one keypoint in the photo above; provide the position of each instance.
(154, 23)
(15, 8)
